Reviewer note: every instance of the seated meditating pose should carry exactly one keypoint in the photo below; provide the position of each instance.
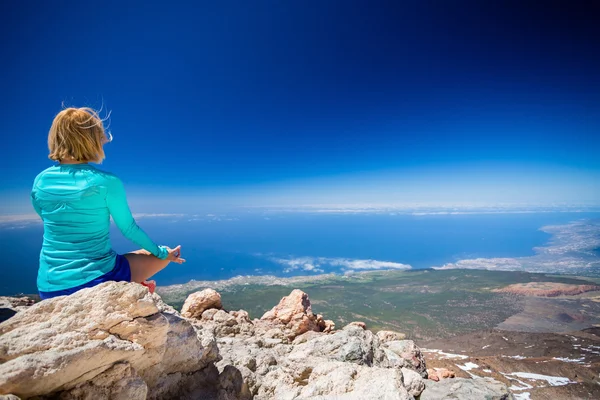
(75, 201)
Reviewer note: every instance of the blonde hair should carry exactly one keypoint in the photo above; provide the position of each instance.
(77, 134)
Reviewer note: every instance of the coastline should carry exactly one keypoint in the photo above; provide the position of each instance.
(568, 252)
(570, 248)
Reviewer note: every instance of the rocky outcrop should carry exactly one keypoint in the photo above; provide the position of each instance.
(18, 303)
(279, 358)
(276, 370)
(117, 341)
(198, 302)
(388, 336)
(439, 373)
(413, 382)
(110, 340)
(547, 289)
(360, 324)
(325, 325)
(295, 317)
(405, 354)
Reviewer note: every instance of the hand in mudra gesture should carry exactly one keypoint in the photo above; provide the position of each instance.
(175, 255)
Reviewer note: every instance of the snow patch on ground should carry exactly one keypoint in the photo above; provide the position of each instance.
(515, 357)
(591, 349)
(485, 347)
(445, 355)
(522, 396)
(468, 366)
(515, 387)
(552, 380)
(580, 360)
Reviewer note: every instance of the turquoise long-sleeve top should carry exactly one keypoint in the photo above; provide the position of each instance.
(75, 202)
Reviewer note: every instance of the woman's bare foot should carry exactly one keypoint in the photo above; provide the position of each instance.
(151, 285)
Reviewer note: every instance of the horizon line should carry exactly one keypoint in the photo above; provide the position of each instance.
(423, 210)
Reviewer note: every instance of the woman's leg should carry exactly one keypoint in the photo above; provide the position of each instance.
(143, 265)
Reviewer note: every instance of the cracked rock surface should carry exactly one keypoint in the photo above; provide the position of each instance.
(288, 354)
(111, 340)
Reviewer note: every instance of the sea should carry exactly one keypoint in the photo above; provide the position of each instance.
(302, 243)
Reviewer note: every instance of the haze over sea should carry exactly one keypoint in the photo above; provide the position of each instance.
(306, 243)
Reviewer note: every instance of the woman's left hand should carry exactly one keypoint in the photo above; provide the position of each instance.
(175, 255)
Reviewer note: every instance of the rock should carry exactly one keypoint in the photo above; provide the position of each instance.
(210, 313)
(295, 313)
(360, 324)
(432, 374)
(249, 362)
(273, 368)
(22, 301)
(306, 336)
(111, 338)
(197, 303)
(329, 326)
(462, 388)
(117, 341)
(352, 344)
(162, 306)
(444, 374)
(439, 373)
(271, 342)
(223, 324)
(222, 317)
(388, 336)
(276, 333)
(413, 382)
(240, 315)
(292, 307)
(9, 306)
(337, 380)
(405, 353)
(232, 385)
(120, 382)
(325, 325)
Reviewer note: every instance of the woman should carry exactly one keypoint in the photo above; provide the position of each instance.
(75, 201)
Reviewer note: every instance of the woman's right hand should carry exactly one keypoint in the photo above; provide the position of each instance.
(175, 255)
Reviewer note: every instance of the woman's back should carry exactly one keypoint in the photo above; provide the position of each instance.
(76, 202)
(73, 201)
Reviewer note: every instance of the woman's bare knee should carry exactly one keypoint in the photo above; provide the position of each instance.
(144, 266)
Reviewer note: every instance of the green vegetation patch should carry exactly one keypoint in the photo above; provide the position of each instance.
(424, 304)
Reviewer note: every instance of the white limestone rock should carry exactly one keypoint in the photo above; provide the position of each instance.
(413, 382)
(70, 342)
(198, 302)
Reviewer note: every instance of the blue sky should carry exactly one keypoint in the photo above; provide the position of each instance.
(270, 102)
